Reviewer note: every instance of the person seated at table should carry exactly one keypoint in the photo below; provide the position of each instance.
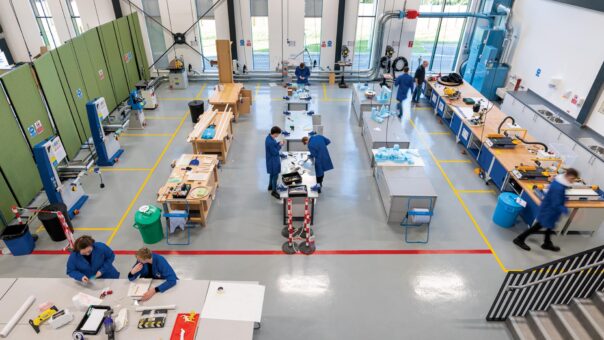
(317, 146)
(152, 266)
(302, 74)
(91, 260)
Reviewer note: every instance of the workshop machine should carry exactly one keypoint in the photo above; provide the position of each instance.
(178, 78)
(531, 172)
(104, 134)
(508, 135)
(137, 116)
(480, 109)
(147, 91)
(60, 179)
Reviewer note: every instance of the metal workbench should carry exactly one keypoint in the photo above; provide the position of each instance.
(387, 134)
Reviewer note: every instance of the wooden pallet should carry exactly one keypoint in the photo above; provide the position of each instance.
(221, 143)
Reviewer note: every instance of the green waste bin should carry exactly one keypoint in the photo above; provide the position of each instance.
(148, 221)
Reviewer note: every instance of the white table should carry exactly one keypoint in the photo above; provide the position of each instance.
(297, 105)
(299, 125)
(413, 154)
(385, 134)
(5, 285)
(295, 162)
(360, 103)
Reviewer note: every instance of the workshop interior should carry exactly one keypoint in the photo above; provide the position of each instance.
(298, 169)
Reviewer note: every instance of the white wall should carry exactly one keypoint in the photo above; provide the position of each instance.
(562, 41)
(95, 12)
(29, 26)
(596, 118)
(128, 9)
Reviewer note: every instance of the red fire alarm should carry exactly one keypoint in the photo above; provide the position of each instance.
(410, 43)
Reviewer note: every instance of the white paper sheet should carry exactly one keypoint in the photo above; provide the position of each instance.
(139, 287)
(237, 302)
(198, 176)
(94, 319)
(182, 161)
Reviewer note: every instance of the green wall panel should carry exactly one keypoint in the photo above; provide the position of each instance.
(73, 75)
(101, 74)
(26, 98)
(7, 200)
(86, 69)
(57, 103)
(16, 159)
(139, 47)
(113, 59)
(127, 51)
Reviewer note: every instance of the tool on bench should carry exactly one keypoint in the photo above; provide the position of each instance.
(574, 193)
(181, 191)
(499, 141)
(109, 325)
(531, 172)
(45, 315)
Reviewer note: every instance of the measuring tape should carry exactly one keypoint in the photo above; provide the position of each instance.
(78, 336)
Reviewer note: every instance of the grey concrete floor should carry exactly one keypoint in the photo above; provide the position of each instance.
(416, 295)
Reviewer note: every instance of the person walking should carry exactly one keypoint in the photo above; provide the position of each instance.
(552, 207)
(419, 77)
(404, 82)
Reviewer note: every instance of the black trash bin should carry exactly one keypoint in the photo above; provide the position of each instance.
(51, 221)
(196, 107)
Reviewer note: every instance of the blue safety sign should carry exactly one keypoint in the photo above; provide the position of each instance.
(32, 131)
(79, 93)
(329, 43)
(538, 72)
(241, 42)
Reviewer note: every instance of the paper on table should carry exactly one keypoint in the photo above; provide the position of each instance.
(94, 319)
(466, 112)
(182, 161)
(138, 288)
(237, 302)
(198, 176)
(207, 161)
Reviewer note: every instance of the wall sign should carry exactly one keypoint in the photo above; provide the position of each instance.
(538, 72)
(79, 93)
(32, 131)
(323, 44)
(249, 43)
(241, 42)
(329, 43)
(39, 127)
(101, 75)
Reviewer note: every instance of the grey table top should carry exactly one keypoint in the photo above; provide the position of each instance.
(295, 162)
(360, 93)
(409, 182)
(391, 125)
(572, 130)
(301, 122)
(5, 284)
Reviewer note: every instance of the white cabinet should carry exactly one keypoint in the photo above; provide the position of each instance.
(598, 173)
(584, 163)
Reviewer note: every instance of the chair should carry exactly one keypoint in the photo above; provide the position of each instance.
(316, 119)
(419, 213)
(178, 219)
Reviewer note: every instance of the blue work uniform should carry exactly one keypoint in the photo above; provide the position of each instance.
(317, 145)
(160, 270)
(101, 260)
(552, 205)
(404, 82)
(273, 160)
(302, 72)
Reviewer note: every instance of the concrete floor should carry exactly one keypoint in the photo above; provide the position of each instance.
(320, 296)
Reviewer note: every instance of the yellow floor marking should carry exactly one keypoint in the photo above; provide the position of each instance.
(163, 118)
(94, 229)
(422, 108)
(257, 90)
(146, 135)
(454, 161)
(39, 229)
(463, 203)
(144, 184)
(203, 87)
(476, 191)
(108, 169)
(444, 133)
(325, 92)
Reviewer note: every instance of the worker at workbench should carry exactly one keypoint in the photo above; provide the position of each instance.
(272, 148)
(90, 260)
(404, 82)
(302, 74)
(419, 77)
(317, 146)
(552, 207)
(152, 266)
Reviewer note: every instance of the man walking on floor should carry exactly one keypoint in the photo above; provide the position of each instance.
(419, 77)
(404, 82)
(552, 207)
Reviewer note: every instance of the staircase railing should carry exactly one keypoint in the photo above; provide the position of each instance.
(556, 282)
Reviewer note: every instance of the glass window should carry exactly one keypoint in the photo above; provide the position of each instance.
(3, 60)
(76, 20)
(364, 33)
(438, 39)
(260, 55)
(207, 30)
(45, 23)
(312, 32)
(157, 40)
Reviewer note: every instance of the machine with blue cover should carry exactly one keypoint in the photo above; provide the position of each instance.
(104, 135)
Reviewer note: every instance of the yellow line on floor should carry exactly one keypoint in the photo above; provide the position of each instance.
(444, 133)
(454, 161)
(144, 184)
(163, 118)
(257, 90)
(325, 92)
(203, 87)
(422, 108)
(94, 229)
(39, 229)
(146, 134)
(108, 169)
(476, 191)
(463, 203)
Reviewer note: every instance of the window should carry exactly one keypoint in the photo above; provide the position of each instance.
(45, 23)
(260, 55)
(438, 39)
(207, 29)
(364, 33)
(78, 27)
(312, 32)
(156, 33)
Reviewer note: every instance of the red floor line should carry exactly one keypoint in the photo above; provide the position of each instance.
(279, 252)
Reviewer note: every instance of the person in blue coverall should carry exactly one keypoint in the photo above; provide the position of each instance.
(552, 207)
(404, 82)
(90, 260)
(302, 74)
(152, 266)
(317, 146)
(272, 148)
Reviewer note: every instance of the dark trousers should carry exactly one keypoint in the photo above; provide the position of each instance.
(320, 180)
(400, 109)
(533, 230)
(417, 93)
(273, 181)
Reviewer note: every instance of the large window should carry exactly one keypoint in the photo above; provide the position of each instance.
(364, 34)
(156, 33)
(45, 23)
(207, 29)
(312, 32)
(437, 39)
(76, 20)
(260, 55)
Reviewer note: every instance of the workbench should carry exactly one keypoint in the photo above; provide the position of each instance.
(360, 103)
(298, 124)
(385, 134)
(298, 161)
(297, 105)
(204, 175)
(221, 143)
(232, 95)
(187, 295)
(413, 154)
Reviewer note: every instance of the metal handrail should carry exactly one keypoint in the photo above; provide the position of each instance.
(534, 283)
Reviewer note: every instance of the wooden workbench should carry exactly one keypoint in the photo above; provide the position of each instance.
(221, 143)
(206, 176)
(234, 95)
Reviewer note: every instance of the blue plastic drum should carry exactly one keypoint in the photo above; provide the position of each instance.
(507, 210)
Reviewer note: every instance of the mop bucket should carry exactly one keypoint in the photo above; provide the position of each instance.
(507, 210)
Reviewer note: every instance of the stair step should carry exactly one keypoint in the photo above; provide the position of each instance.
(543, 327)
(567, 323)
(519, 328)
(590, 317)
(598, 299)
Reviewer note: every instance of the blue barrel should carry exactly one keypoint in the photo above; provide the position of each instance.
(18, 239)
(507, 210)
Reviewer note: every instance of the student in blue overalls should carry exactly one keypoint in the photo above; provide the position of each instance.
(152, 266)
(404, 82)
(90, 260)
(302, 74)
(317, 146)
(552, 207)
(272, 148)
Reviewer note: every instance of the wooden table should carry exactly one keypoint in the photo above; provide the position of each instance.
(221, 143)
(204, 175)
(232, 95)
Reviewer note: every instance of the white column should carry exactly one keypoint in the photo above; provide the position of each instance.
(329, 30)
(221, 15)
(14, 38)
